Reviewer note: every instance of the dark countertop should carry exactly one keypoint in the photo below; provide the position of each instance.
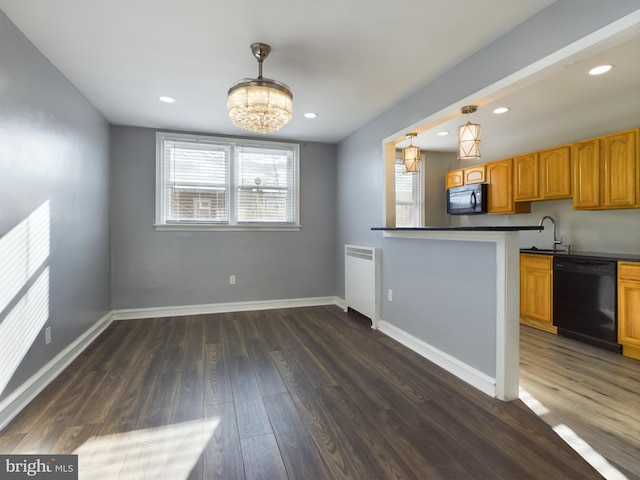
(460, 229)
(628, 257)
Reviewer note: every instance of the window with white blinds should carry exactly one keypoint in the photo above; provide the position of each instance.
(264, 184)
(217, 182)
(409, 196)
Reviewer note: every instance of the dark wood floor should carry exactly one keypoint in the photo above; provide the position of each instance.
(308, 393)
(587, 391)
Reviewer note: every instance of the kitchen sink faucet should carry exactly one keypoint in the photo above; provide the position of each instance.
(556, 242)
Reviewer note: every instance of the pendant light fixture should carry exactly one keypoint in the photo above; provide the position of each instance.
(469, 137)
(411, 156)
(260, 105)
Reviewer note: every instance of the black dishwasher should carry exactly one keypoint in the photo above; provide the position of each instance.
(585, 300)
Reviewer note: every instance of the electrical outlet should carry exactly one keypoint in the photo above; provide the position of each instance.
(47, 335)
(232, 280)
(390, 295)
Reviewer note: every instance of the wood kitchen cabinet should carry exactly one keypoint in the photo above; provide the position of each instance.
(586, 174)
(454, 178)
(536, 291)
(500, 180)
(475, 174)
(629, 308)
(606, 172)
(619, 172)
(599, 174)
(466, 176)
(543, 175)
(526, 170)
(555, 173)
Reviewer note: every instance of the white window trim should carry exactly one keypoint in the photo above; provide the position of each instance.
(159, 225)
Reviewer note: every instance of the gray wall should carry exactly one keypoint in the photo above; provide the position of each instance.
(53, 148)
(461, 323)
(167, 268)
(361, 166)
(436, 165)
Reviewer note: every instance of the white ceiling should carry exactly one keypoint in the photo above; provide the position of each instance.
(347, 60)
(559, 104)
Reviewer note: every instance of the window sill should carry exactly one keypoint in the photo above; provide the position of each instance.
(185, 227)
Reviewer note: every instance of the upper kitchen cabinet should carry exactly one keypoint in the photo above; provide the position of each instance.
(500, 180)
(586, 174)
(600, 173)
(620, 170)
(555, 173)
(527, 177)
(475, 174)
(606, 172)
(454, 178)
(466, 176)
(544, 175)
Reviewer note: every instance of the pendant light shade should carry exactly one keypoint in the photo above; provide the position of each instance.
(411, 156)
(260, 105)
(469, 137)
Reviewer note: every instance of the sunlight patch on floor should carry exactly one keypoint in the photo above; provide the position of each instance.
(570, 437)
(596, 460)
(168, 452)
(531, 402)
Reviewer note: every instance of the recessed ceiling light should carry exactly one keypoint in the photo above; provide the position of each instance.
(310, 115)
(166, 99)
(600, 69)
(442, 133)
(500, 110)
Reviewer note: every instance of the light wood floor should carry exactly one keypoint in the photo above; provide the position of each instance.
(593, 392)
(309, 393)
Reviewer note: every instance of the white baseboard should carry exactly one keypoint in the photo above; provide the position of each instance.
(21, 396)
(176, 311)
(472, 376)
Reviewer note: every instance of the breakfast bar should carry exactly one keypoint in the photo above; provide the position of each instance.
(471, 274)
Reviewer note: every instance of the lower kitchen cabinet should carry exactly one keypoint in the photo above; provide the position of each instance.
(629, 308)
(536, 291)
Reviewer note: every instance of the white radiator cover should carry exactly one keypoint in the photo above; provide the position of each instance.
(362, 281)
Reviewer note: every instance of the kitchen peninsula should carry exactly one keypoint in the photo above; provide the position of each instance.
(461, 292)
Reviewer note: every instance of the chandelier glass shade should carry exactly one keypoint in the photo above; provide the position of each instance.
(469, 137)
(411, 156)
(260, 105)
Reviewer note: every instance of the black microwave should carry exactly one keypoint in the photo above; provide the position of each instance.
(467, 200)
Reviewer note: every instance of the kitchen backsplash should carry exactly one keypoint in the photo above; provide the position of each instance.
(615, 231)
